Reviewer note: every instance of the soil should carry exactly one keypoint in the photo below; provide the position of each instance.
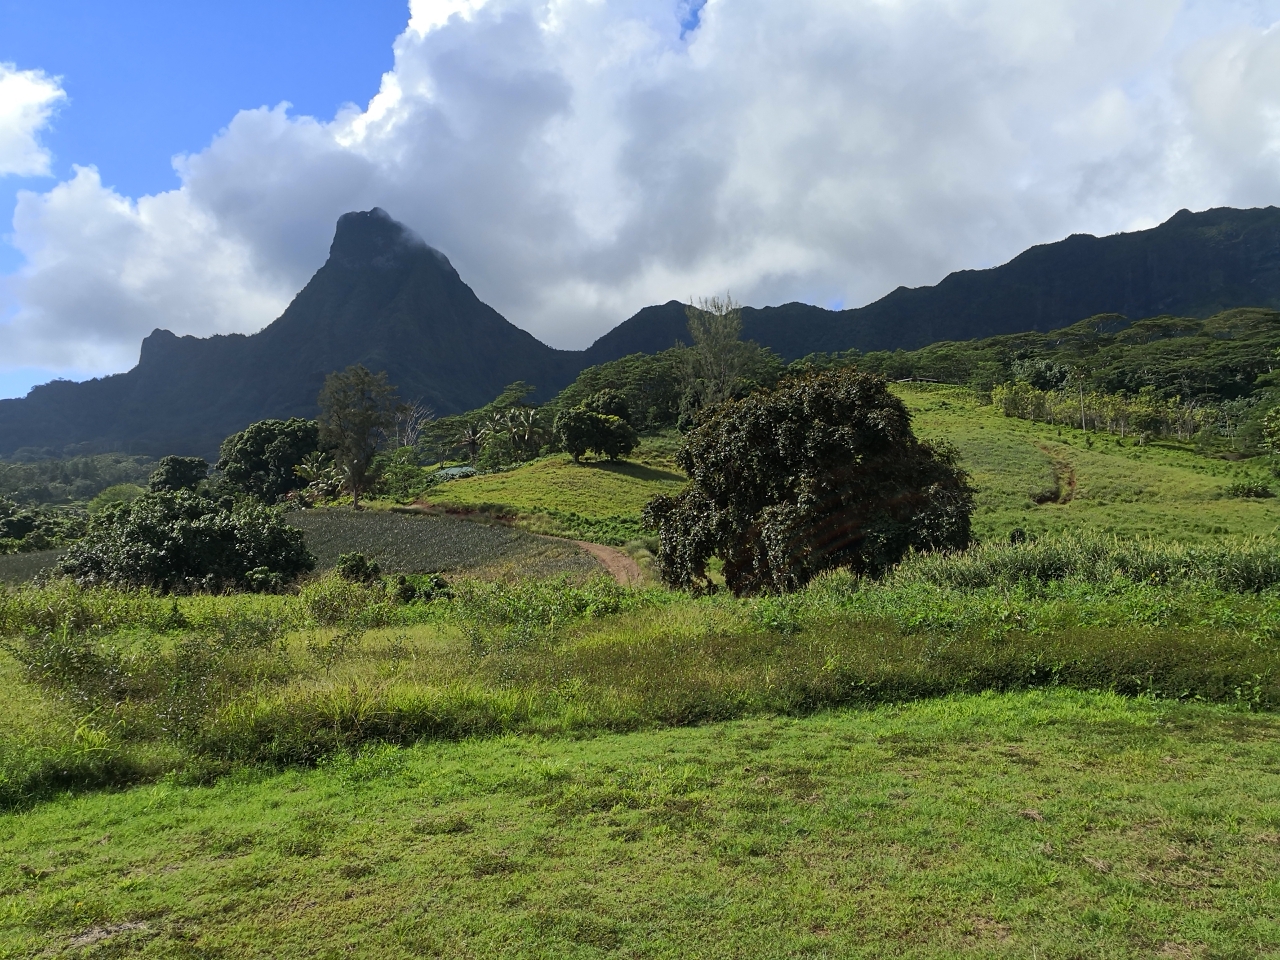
(620, 566)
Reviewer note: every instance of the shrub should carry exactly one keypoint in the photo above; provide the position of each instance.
(117, 493)
(822, 472)
(1249, 491)
(580, 430)
(180, 542)
(357, 568)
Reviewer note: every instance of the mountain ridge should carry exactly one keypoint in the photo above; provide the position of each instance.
(387, 299)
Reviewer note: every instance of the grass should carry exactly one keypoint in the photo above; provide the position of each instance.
(596, 500)
(1162, 490)
(1030, 476)
(1051, 824)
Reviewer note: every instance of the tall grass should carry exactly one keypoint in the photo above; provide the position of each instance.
(1244, 565)
(140, 684)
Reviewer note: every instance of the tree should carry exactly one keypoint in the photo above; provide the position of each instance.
(181, 542)
(718, 356)
(580, 429)
(611, 403)
(410, 422)
(262, 459)
(356, 409)
(821, 472)
(179, 473)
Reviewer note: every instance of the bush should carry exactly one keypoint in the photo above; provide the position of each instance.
(580, 430)
(180, 542)
(822, 472)
(357, 568)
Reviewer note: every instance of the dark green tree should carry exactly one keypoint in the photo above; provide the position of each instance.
(580, 430)
(357, 408)
(261, 459)
(179, 473)
(819, 473)
(181, 542)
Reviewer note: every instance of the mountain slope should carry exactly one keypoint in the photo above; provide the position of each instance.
(383, 298)
(1193, 265)
(386, 299)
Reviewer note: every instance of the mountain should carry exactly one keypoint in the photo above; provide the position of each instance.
(1192, 265)
(387, 300)
(383, 298)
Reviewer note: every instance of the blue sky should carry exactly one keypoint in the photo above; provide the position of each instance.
(578, 160)
(149, 79)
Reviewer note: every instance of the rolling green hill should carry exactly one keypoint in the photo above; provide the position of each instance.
(1028, 475)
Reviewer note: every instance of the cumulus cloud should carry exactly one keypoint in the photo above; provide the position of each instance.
(577, 160)
(27, 101)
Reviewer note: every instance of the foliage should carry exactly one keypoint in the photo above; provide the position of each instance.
(27, 530)
(357, 568)
(822, 472)
(1144, 415)
(651, 385)
(119, 493)
(70, 479)
(357, 408)
(400, 476)
(582, 429)
(178, 473)
(181, 542)
(263, 458)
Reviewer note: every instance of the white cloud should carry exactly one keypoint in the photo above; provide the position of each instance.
(579, 159)
(27, 101)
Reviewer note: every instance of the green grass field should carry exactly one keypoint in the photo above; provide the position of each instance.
(1039, 478)
(1160, 490)
(1059, 748)
(1049, 824)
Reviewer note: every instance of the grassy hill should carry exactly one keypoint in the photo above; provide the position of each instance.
(1028, 475)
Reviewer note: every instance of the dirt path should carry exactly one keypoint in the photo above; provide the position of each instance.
(620, 566)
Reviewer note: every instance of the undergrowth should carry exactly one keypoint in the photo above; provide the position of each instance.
(135, 685)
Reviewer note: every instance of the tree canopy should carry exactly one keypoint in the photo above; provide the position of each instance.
(821, 472)
(178, 473)
(261, 459)
(357, 408)
(182, 542)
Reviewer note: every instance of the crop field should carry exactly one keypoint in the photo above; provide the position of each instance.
(415, 543)
(20, 567)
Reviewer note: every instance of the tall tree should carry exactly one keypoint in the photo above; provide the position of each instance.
(717, 358)
(357, 408)
(262, 458)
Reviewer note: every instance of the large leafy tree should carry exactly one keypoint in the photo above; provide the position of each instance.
(357, 408)
(178, 473)
(822, 472)
(181, 542)
(262, 458)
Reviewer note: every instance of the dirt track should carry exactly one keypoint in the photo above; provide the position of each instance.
(620, 566)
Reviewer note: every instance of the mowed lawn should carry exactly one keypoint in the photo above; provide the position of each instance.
(1049, 824)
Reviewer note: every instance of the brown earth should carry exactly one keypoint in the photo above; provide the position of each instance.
(620, 566)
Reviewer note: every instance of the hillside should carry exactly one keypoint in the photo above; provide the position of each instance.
(1028, 475)
(386, 299)
(1193, 265)
(383, 298)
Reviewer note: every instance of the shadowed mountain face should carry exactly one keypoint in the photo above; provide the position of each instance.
(383, 298)
(387, 300)
(1193, 265)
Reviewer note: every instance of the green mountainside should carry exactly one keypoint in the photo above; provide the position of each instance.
(387, 300)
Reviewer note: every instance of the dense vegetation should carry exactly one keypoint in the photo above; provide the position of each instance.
(824, 472)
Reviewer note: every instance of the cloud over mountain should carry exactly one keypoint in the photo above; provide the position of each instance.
(577, 160)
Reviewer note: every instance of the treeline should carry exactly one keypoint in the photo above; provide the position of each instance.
(1142, 417)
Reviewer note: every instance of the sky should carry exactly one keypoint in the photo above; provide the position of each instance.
(182, 165)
